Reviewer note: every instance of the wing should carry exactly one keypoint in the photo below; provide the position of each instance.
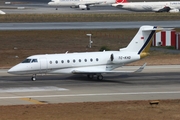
(164, 9)
(85, 71)
(91, 3)
(167, 9)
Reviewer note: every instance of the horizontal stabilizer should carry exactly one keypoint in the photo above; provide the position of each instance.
(156, 28)
(100, 72)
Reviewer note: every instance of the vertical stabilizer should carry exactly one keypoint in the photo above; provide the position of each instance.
(121, 1)
(142, 40)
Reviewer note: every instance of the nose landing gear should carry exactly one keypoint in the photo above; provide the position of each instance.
(33, 77)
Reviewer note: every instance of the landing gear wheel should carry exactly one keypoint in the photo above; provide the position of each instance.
(33, 77)
(88, 8)
(90, 76)
(100, 77)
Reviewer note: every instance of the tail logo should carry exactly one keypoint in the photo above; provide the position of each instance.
(121, 1)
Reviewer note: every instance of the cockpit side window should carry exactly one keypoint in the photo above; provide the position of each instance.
(26, 61)
(34, 60)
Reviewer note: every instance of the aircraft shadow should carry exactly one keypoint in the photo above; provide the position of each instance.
(107, 79)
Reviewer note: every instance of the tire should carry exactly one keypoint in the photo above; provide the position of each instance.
(90, 76)
(100, 77)
(33, 78)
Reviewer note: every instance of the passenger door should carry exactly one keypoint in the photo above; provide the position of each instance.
(43, 65)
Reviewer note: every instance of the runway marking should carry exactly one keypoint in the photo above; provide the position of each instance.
(32, 100)
(32, 89)
(99, 94)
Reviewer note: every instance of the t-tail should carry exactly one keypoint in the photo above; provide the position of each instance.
(121, 1)
(141, 42)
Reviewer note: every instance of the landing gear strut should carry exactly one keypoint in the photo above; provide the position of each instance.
(33, 77)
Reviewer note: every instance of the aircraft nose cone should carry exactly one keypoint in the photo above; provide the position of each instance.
(15, 70)
(50, 3)
(11, 71)
(1, 12)
(114, 5)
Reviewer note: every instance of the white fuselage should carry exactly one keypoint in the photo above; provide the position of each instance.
(67, 63)
(81, 2)
(148, 6)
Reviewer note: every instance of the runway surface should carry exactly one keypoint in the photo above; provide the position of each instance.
(85, 25)
(155, 82)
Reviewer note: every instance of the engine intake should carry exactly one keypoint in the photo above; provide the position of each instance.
(82, 7)
(174, 11)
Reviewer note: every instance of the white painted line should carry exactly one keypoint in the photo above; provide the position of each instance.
(32, 89)
(100, 94)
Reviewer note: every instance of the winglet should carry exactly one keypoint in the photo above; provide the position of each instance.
(141, 68)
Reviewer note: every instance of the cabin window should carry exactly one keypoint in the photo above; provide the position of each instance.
(50, 62)
(85, 60)
(74, 61)
(91, 59)
(79, 60)
(26, 61)
(34, 60)
(97, 59)
(62, 61)
(68, 61)
(56, 62)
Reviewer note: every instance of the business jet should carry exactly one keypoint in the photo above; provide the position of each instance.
(89, 63)
(81, 4)
(168, 6)
(1, 12)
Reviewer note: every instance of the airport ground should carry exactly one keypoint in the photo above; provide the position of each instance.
(119, 110)
(92, 16)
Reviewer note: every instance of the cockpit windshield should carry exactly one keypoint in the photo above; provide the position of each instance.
(30, 61)
(34, 60)
(26, 61)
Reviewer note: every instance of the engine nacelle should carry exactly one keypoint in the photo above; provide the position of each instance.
(119, 58)
(174, 11)
(82, 7)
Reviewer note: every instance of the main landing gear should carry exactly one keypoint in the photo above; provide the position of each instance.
(33, 77)
(99, 76)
